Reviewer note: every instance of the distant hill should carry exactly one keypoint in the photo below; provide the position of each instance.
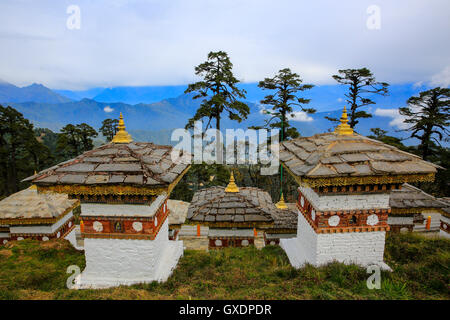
(134, 95)
(155, 121)
(82, 94)
(35, 92)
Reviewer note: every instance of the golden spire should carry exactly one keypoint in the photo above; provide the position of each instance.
(232, 187)
(281, 204)
(344, 129)
(121, 136)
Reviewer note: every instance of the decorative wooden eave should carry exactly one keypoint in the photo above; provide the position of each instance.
(412, 211)
(239, 225)
(118, 189)
(364, 180)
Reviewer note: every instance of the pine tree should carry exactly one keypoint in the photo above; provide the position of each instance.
(361, 82)
(429, 115)
(218, 90)
(109, 128)
(75, 139)
(286, 85)
(20, 152)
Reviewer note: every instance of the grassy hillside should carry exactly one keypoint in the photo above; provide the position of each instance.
(33, 270)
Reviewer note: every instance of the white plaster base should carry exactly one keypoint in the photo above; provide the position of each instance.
(444, 234)
(71, 237)
(114, 262)
(362, 248)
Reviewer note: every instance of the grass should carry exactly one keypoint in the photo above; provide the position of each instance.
(37, 270)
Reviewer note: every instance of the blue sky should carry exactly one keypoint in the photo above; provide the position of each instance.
(143, 42)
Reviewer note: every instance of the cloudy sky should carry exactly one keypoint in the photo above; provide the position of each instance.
(149, 42)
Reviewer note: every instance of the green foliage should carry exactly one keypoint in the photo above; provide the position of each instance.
(283, 100)
(218, 90)
(429, 116)
(361, 82)
(109, 128)
(380, 135)
(75, 139)
(438, 155)
(37, 270)
(20, 152)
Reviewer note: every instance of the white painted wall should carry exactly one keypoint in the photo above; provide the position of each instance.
(111, 262)
(345, 202)
(444, 234)
(363, 248)
(133, 210)
(441, 232)
(46, 229)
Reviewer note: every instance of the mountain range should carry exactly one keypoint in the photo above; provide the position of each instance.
(34, 92)
(154, 120)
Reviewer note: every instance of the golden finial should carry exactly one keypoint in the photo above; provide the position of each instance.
(281, 204)
(121, 136)
(232, 187)
(343, 128)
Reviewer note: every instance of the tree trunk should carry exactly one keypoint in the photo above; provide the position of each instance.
(13, 169)
(219, 148)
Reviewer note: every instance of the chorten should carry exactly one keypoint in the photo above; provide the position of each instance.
(123, 187)
(344, 182)
(237, 216)
(28, 214)
(410, 207)
(444, 227)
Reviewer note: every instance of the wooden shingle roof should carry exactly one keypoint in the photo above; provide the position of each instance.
(250, 207)
(411, 197)
(333, 159)
(135, 163)
(29, 205)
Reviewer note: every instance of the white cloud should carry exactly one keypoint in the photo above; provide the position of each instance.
(441, 79)
(108, 109)
(157, 42)
(397, 118)
(340, 99)
(300, 116)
